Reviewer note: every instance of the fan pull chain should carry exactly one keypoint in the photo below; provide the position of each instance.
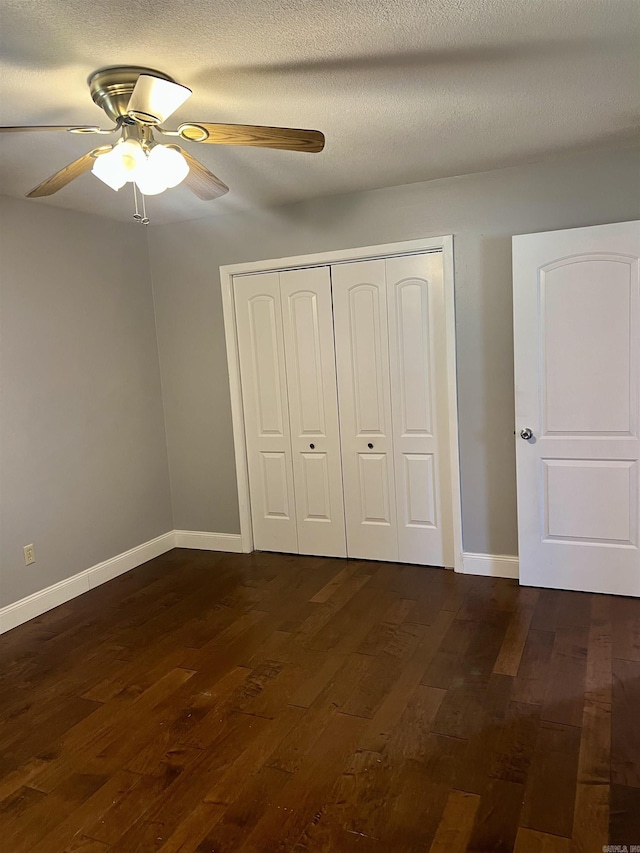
(142, 218)
(136, 215)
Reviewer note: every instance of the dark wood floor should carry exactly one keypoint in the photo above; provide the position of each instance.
(217, 702)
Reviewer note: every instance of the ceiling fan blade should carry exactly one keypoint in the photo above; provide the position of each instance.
(286, 138)
(154, 99)
(200, 180)
(57, 127)
(67, 174)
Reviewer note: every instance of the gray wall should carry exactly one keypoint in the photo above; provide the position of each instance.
(83, 465)
(483, 211)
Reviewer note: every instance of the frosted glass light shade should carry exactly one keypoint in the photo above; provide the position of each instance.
(131, 156)
(153, 100)
(169, 163)
(150, 181)
(108, 167)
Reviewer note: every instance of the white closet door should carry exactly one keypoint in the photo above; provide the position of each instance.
(362, 360)
(576, 303)
(417, 350)
(313, 410)
(266, 415)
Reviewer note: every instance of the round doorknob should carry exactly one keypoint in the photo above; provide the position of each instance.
(370, 446)
(526, 434)
(312, 446)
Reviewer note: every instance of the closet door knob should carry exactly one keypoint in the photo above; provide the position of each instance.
(312, 446)
(370, 446)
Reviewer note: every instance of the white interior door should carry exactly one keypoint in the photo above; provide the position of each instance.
(313, 410)
(362, 360)
(417, 347)
(266, 413)
(577, 362)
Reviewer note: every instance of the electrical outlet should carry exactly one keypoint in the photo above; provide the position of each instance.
(29, 555)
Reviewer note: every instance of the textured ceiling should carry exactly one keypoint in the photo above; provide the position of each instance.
(405, 90)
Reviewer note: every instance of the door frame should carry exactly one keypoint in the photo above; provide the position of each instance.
(364, 253)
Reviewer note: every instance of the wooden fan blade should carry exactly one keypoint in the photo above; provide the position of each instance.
(200, 180)
(55, 127)
(65, 176)
(286, 138)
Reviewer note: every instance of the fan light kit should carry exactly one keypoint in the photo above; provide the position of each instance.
(139, 100)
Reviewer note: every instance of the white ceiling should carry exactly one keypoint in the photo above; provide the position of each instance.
(405, 90)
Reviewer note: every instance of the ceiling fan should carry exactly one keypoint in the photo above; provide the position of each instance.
(139, 100)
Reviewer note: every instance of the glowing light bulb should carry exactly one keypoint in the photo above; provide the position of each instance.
(131, 156)
(169, 163)
(149, 180)
(108, 167)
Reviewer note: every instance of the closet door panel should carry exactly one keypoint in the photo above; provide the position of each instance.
(266, 415)
(313, 410)
(418, 392)
(362, 360)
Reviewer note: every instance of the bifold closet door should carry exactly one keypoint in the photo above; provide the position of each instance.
(313, 410)
(417, 350)
(266, 412)
(392, 388)
(362, 361)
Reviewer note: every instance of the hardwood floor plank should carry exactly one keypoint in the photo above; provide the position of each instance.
(545, 614)
(158, 823)
(93, 737)
(564, 698)
(82, 819)
(127, 810)
(531, 682)
(354, 813)
(508, 660)
(516, 743)
(83, 844)
(382, 632)
(530, 841)
(460, 714)
(591, 810)
(348, 625)
(498, 817)
(551, 785)
(334, 584)
(625, 815)
(405, 686)
(246, 810)
(483, 738)
(295, 746)
(456, 825)
(626, 628)
(47, 814)
(384, 672)
(44, 728)
(300, 802)
(625, 731)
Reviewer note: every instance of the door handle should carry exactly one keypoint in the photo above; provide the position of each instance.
(526, 433)
(312, 446)
(370, 446)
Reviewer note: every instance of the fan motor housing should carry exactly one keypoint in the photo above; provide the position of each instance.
(111, 88)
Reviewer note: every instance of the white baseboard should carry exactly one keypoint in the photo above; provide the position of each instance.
(209, 541)
(46, 599)
(491, 565)
(50, 597)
